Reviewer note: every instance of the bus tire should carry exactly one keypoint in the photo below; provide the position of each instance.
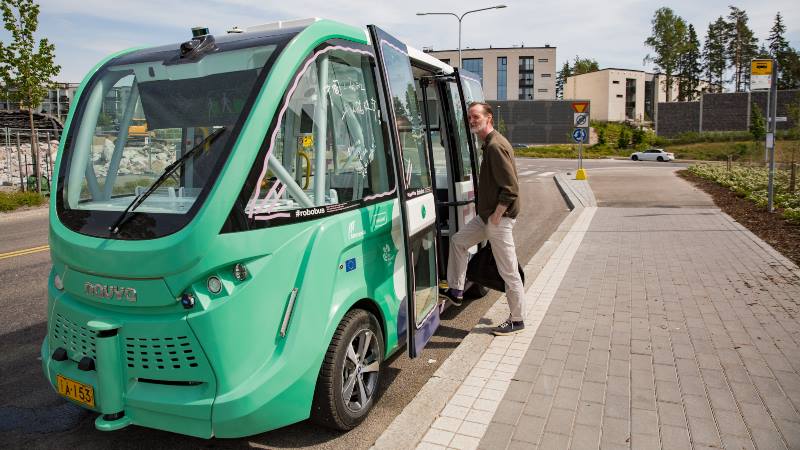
(476, 291)
(348, 366)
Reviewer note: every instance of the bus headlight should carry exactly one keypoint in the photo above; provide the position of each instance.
(240, 272)
(58, 282)
(214, 285)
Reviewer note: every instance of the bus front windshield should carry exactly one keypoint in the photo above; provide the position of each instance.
(137, 117)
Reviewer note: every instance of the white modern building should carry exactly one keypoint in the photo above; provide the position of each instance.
(515, 73)
(619, 95)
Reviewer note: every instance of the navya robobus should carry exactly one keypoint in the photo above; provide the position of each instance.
(246, 262)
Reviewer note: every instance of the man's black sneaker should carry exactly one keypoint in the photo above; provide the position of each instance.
(508, 327)
(448, 294)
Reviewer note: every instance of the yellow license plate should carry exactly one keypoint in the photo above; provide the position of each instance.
(81, 393)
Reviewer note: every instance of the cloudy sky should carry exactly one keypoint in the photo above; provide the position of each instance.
(611, 32)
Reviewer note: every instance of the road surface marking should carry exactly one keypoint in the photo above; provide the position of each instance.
(527, 172)
(545, 174)
(26, 251)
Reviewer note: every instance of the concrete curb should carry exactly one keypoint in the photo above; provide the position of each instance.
(410, 426)
(578, 193)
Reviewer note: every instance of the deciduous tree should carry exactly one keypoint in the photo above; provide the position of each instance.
(666, 40)
(584, 65)
(27, 65)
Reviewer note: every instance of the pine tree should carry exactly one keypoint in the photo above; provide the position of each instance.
(788, 64)
(742, 47)
(777, 43)
(667, 38)
(689, 67)
(26, 72)
(714, 59)
(561, 80)
(790, 70)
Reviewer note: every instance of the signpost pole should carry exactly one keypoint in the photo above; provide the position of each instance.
(773, 95)
(580, 133)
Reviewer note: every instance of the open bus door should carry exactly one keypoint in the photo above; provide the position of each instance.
(417, 202)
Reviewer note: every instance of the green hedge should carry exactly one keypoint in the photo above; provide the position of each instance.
(10, 201)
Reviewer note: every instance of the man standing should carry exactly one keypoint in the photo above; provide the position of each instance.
(497, 207)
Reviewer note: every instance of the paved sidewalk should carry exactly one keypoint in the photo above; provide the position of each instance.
(670, 328)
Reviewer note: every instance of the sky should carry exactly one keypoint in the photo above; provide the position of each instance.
(611, 32)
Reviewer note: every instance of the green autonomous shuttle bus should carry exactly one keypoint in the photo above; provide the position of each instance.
(247, 263)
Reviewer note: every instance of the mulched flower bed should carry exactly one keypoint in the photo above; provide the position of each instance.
(782, 235)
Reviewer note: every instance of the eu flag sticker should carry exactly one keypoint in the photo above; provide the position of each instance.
(350, 265)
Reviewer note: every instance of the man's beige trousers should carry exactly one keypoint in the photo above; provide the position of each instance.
(505, 255)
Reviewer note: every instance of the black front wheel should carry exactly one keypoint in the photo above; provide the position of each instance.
(634, 157)
(348, 379)
(661, 159)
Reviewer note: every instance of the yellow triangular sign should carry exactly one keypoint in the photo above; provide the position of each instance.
(580, 107)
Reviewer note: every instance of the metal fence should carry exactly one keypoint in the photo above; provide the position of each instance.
(16, 159)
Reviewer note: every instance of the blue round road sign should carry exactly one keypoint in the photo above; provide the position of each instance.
(579, 134)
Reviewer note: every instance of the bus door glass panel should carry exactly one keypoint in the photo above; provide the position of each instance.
(419, 208)
(473, 92)
(464, 184)
(329, 145)
(435, 126)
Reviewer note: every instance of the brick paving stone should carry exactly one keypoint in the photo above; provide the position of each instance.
(538, 405)
(675, 438)
(767, 438)
(589, 414)
(566, 398)
(530, 429)
(618, 406)
(560, 421)
(671, 414)
(643, 399)
(554, 441)
(644, 421)
(497, 436)
(521, 445)
(615, 431)
(461, 442)
(585, 438)
(704, 431)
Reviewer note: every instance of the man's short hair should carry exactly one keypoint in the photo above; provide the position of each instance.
(487, 108)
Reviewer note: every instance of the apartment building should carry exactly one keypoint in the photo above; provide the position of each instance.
(619, 95)
(56, 103)
(515, 73)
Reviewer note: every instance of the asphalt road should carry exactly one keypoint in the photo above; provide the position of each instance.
(32, 416)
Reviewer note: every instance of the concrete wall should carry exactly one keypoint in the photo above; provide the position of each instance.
(677, 117)
(536, 122)
(720, 112)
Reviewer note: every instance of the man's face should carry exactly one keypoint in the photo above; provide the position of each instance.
(478, 119)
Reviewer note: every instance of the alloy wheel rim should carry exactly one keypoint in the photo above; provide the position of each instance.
(360, 371)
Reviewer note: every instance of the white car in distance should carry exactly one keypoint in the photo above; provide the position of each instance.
(653, 154)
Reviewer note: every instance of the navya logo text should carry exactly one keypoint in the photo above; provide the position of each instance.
(106, 291)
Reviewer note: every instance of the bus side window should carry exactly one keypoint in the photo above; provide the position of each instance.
(329, 147)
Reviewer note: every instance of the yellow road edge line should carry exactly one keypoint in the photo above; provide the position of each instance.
(23, 252)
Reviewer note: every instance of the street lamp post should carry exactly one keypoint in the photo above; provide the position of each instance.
(460, 18)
